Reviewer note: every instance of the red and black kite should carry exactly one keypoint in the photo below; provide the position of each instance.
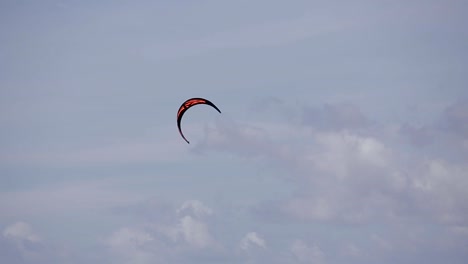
(186, 105)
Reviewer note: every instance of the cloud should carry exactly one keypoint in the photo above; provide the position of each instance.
(444, 137)
(27, 243)
(172, 237)
(10, 253)
(346, 178)
(241, 139)
(334, 117)
(440, 191)
(133, 246)
(195, 232)
(455, 119)
(419, 136)
(252, 239)
(191, 235)
(304, 253)
(20, 244)
(452, 132)
(125, 238)
(343, 174)
(195, 207)
(20, 231)
(348, 173)
(362, 162)
(190, 227)
(353, 187)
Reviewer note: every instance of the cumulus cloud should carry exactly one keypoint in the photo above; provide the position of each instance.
(343, 174)
(351, 170)
(190, 227)
(182, 233)
(189, 236)
(194, 232)
(337, 184)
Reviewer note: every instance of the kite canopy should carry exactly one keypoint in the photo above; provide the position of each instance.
(186, 105)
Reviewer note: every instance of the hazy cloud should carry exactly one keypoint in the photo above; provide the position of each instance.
(335, 117)
(305, 253)
(252, 239)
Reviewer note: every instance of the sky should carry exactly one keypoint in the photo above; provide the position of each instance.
(343, 136)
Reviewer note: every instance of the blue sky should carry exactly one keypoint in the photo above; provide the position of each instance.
(342, 138)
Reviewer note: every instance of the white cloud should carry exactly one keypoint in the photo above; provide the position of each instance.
(361, 176)
(440, 189)
(187, 229)
(71, 106)
(195, 207)
(242, 139)
(20, 231)
(190, 226)
(195, 232)
(349, 176)
(344, 151)
(166, 239)
(252, 239)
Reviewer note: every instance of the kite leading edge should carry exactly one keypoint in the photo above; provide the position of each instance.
(186, 105)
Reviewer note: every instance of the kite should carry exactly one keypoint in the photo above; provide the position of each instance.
(186, 105)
